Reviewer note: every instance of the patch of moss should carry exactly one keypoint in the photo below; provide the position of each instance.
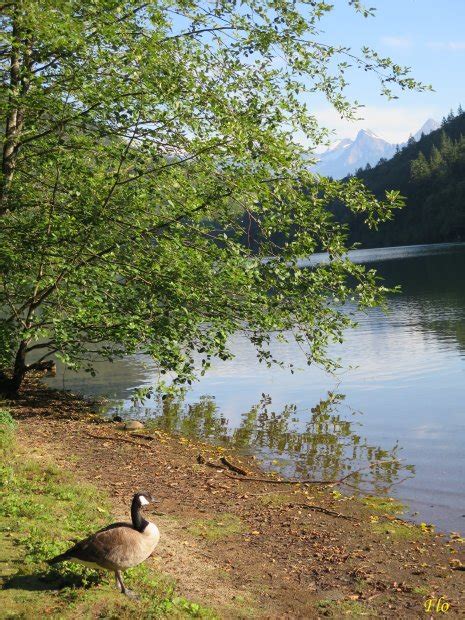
(276, 499)
(384, 505)
(242, 607)
(336, 609)
(398, 529)
(225, 525)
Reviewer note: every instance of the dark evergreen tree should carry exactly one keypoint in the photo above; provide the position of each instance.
(419, 168)
(430, 174)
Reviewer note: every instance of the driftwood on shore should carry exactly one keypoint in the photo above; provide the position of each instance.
(233, 467)
(224, 463)
(124, 439)
(326, 511)
(243, 477)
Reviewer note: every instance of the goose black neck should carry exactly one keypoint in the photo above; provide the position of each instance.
(138, 520)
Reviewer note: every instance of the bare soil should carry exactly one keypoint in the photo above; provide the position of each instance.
(251, 549)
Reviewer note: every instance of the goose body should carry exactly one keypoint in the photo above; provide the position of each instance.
(118, 546)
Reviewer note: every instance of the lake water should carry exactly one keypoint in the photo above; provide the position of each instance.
(400, 394)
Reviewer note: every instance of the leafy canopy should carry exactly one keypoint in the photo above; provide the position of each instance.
(144, 141)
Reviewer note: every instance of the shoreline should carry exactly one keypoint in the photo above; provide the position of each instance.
(250, 549)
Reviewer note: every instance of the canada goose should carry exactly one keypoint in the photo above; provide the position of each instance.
(118, 546)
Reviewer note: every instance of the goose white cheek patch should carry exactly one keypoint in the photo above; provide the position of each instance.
(143, 501)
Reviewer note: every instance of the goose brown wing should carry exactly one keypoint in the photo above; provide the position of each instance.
(102, 547)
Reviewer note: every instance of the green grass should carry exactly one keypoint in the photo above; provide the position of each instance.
(42, 511)
(222, 526)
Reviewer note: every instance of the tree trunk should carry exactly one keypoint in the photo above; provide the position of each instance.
(8, 159)
(19, 85)
(9, 386)
(20, 368)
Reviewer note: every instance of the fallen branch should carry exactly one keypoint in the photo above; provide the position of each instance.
(326, 511)
(222, 465)
(107, 437)
(308, 481)
(214, 465)
(273, 481)
(201, 461)
(233, 467)
(141, 436)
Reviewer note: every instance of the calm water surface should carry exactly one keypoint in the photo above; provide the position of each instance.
(400, 393)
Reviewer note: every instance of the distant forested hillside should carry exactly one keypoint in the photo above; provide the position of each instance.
(430, 174)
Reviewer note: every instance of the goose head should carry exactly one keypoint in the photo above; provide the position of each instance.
(142, 498)
(139, 501)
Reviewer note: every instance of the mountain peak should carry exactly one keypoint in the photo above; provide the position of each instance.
(368, 135)
(367, 132)
(427, 127)
(346, 156)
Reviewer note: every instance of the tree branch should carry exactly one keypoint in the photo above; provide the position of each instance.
(42, 295)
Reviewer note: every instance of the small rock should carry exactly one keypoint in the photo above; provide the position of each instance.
(133, 425)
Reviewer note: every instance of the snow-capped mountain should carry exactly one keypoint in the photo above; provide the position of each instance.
(427, 127)
(346, 156)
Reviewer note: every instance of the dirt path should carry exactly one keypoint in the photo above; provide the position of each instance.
(251, 549)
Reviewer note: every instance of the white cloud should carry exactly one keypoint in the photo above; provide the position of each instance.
(393, 123)
(452, 46)
(396, 41)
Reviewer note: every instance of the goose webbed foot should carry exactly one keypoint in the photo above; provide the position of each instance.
(131, 594)
(122, 588)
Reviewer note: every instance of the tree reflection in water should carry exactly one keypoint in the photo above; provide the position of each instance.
(322, 442)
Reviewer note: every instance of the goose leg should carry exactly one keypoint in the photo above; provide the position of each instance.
(118, 584)
(124, 590)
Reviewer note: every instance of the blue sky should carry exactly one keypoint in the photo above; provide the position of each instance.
(426, 35)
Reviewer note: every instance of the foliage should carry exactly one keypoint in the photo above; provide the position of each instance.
(142, 141)
(430, 174)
